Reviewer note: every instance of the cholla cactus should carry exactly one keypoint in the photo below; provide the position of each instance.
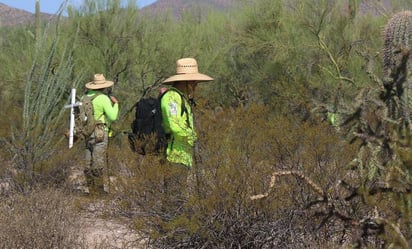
(398, 82)
(383, 124)
(398, 41)
(397, 67)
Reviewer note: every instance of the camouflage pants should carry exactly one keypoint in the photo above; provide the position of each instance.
(91, 176)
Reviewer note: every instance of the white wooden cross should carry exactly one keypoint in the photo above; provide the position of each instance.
(72, 105)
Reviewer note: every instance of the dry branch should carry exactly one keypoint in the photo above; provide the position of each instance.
(298, 174)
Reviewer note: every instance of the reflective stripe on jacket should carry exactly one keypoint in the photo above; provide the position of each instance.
(178, 122)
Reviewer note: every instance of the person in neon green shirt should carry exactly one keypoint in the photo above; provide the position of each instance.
(178, 122)
(177, 111)
(105, 109)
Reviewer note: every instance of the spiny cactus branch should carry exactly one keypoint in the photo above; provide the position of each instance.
(397, 43)
(397, 66)
(373, 222)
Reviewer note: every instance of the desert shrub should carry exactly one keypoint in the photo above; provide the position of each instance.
(238, 152)
(39, 219)
(265, 181)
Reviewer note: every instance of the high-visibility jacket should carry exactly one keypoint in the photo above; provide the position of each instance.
(103, 109)
(178, 123)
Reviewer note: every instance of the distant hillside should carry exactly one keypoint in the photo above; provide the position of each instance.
(14, 17)
(176, 7)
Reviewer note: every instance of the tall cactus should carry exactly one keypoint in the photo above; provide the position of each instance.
(398, 84)
(397, 66)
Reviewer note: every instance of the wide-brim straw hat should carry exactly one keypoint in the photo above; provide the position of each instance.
(99, 82)
(187, 70)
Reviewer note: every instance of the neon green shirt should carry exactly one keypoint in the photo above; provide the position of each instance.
(179, 124)
(103, 109)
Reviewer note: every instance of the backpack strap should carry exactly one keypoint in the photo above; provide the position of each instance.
(95, 95)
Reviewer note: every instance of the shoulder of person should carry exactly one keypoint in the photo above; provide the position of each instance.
(100, 97)
(172, 93)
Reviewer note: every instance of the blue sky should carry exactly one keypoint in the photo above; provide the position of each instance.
(52, 6)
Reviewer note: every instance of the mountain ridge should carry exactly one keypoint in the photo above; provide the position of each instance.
(10, 16)
(176, 7)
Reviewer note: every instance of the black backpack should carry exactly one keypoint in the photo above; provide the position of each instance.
(148, 135)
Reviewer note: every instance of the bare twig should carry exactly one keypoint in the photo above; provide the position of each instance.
(298, 174)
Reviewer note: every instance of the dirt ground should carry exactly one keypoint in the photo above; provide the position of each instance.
(107, 232)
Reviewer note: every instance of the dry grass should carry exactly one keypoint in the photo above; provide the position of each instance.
(39, 219)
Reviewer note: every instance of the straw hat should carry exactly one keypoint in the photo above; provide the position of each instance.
(186, 70)
(99, 82)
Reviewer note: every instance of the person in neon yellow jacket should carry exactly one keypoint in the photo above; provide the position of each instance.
(178, 123)
(177, 111)
(105, 108)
